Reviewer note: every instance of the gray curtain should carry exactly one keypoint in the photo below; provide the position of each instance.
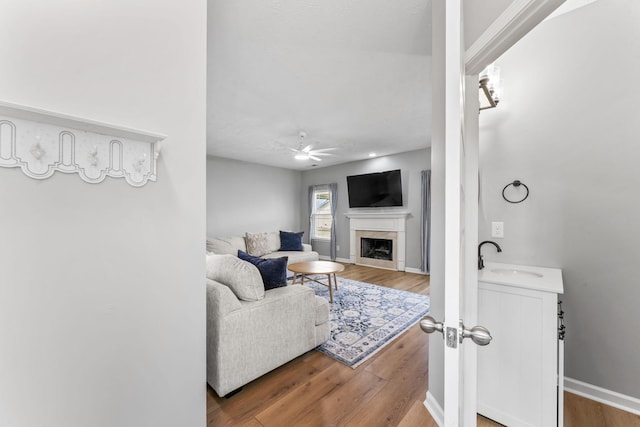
(333, 192)
(311, 201)
(425, 220)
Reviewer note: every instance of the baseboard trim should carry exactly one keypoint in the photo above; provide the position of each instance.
(342, 260)
(602, 395)
(434, 408)
(348, 261)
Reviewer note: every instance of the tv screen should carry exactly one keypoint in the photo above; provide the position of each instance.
(375, 190)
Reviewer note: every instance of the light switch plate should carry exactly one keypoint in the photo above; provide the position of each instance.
(497, 229)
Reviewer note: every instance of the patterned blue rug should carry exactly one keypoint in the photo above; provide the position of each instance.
(365, 317)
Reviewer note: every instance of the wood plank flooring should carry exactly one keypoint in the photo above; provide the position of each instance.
(386, 390)
(582, 412)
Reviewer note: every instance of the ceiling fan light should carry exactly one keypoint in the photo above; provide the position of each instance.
(307, 152)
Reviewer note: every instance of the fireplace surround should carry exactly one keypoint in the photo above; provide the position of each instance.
(378, 226)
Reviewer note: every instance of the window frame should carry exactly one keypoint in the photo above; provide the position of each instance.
(314, 214)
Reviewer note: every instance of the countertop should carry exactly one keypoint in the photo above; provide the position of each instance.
(521, 276)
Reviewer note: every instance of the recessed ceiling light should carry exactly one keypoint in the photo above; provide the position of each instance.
(372, 154)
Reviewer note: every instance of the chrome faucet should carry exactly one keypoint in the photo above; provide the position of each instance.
(480, 261)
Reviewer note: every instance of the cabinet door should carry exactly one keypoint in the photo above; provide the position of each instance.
(517, 373)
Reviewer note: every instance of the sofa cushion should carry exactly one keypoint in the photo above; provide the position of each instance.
(272, 270)
(243, 278)
(273, 241)
(322, 310)
(257, 244)
(290, 241)
(294, 256)
(226, 245)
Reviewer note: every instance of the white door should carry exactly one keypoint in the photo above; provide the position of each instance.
(460, 227)
(454, 214)
(460, 135)
(458, 149)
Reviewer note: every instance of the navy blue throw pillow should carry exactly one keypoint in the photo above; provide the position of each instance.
(272, 270)
(291, 241)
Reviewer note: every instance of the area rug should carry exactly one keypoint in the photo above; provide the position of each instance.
(365, 318)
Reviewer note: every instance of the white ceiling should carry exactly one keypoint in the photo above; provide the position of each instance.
(353, 74)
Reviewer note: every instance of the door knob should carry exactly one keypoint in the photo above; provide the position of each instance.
(478, 334)
(429, 325)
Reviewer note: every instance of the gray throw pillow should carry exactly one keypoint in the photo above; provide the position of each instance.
(242, 277)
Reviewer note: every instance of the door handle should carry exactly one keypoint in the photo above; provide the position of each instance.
(478, 334)
(429, 325)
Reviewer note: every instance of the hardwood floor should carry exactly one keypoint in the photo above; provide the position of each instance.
(315, 390)
(582, 412)
(386, 390)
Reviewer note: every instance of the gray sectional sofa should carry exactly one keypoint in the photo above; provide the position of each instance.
(251, 331)
(231, 245)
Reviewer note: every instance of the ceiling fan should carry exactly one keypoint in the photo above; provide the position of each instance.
(308, 152)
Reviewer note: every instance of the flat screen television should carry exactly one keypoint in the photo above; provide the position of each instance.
(375, 190)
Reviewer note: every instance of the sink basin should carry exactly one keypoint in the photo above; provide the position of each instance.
(514, 272)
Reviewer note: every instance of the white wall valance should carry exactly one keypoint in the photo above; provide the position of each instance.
(42, 142)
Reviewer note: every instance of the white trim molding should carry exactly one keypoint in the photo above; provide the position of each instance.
(517, 20)
(41, 142)
(341, 260)
(348, 261)
(602, 395)
(415, 271)
(434, 408)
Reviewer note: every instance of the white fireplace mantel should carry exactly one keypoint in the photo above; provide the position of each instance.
(379, 221)
(377, 215)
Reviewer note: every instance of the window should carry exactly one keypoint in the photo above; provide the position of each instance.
(321, 217)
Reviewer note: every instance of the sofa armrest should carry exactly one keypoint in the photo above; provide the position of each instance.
(259, 337)
(306, 247)
(220, 299)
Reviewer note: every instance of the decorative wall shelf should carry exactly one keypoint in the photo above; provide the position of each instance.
(42, 142)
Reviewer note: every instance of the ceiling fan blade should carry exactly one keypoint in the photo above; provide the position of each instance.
(317, 159)
(307, 148)
(295, 150)
(320, 150)
(315, 153)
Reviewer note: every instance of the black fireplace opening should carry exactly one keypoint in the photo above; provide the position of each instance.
(376, 248)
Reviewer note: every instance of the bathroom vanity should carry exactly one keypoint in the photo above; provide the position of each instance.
(520, 374)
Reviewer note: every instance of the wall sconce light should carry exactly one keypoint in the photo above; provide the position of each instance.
(490, 87)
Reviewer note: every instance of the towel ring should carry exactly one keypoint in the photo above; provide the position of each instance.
(516, 184)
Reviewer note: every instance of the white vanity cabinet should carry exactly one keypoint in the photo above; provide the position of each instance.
(520, 373)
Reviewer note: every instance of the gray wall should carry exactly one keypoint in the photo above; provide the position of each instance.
(411, 163)
(568, 127)
(247, 197)
(102, 310)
